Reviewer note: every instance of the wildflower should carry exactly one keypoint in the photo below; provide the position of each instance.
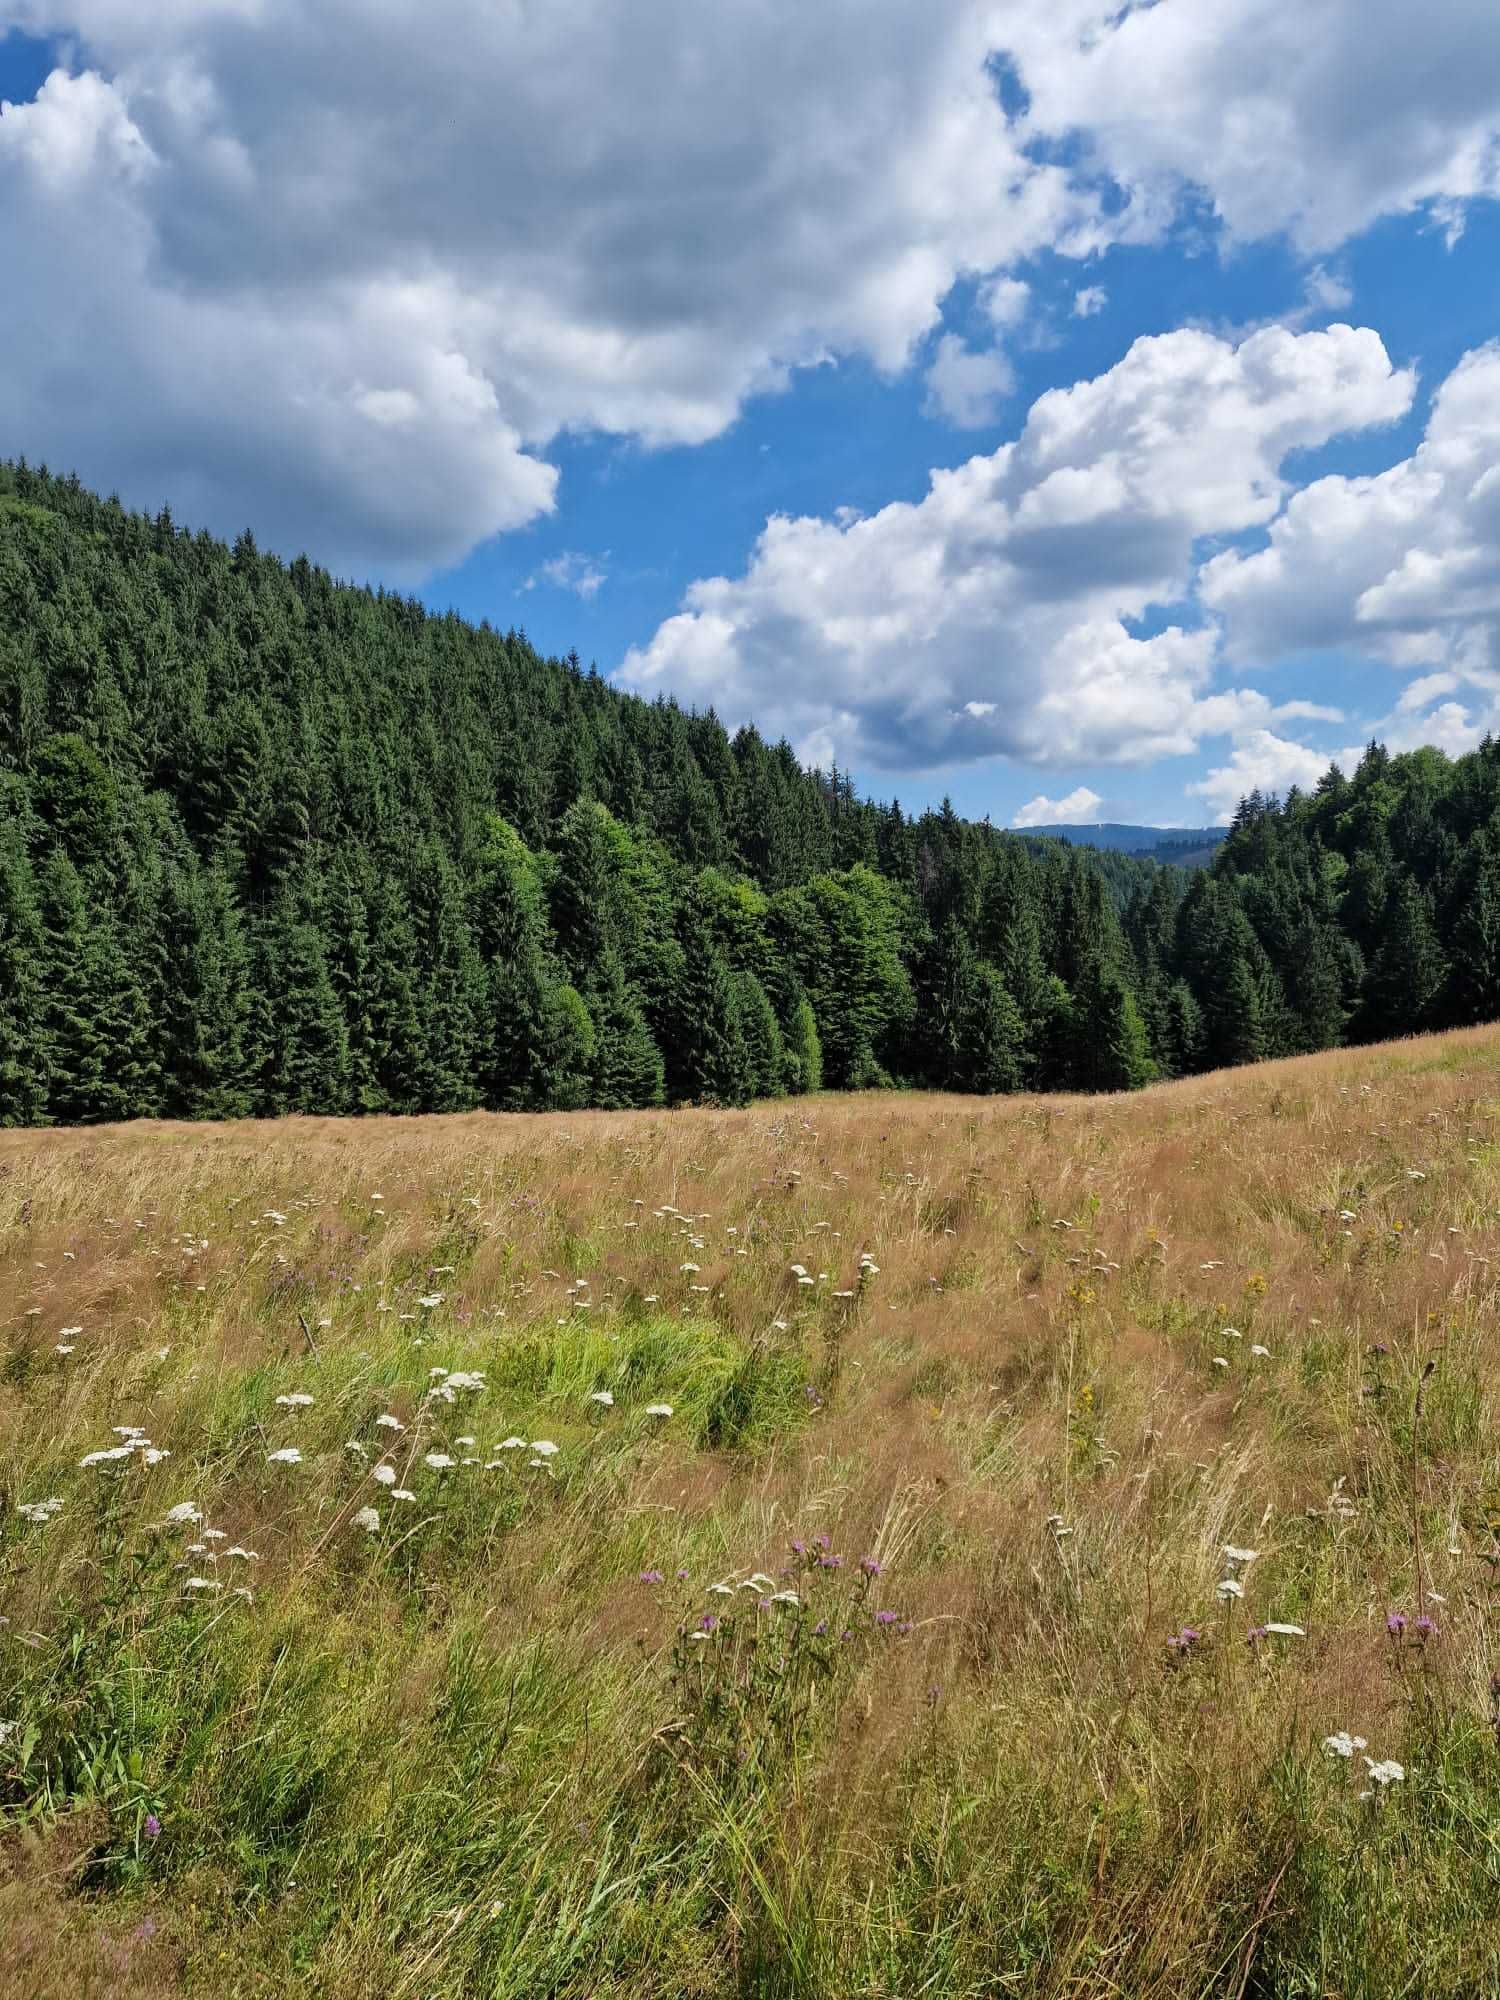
(721, 1590)
(384, 1475)
(544, 1448)
(245, 1555)
(658, 1409)
(1286, 1631)
(869, 1566)
(288, 1455)
(1342, 1744)
(652, 1576)
(367, 1518)
(1425, 1627)
(39, 1512)
(1395, 1623)
(103, 1457)
(438, 1461)
(402, 1493)
(887, 1618)
(1388, 1772)
(603, 1398)
(462, 1378)
(1261, 1353)
(151, 1827)
(185, 1510)
(386, 1422)
(1220, 1361)
(785, 1597)
(708, 1622)
(1185, 1640)
(687, 1267)
(297, 1400)
(511, 1444)
(431, 1299)
(1241, 1558)
(202, 1583)
(1230, 1587)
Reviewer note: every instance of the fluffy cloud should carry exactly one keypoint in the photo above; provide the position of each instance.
(570, 571)
(1310, 116)
(1002, 613)
(1401, 567)
(348, 269)
(966, 386)
(1079, 808)
(1260, 761)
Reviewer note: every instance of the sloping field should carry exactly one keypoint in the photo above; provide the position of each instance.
(879, 1546)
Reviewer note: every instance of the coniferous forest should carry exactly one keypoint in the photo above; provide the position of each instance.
(272, 844)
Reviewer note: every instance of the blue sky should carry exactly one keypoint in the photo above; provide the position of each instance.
(564, 374)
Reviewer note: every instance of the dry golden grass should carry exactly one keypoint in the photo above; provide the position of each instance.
(1042, 1413)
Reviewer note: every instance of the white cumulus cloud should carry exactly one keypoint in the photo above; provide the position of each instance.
(1002, 614)
(1401, 566)
(1078, 808)
(967, 386)
(1309, 116)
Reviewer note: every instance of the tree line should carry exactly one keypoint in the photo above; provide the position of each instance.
(270, 843)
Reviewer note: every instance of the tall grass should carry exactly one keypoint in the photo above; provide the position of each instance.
(893, 1661)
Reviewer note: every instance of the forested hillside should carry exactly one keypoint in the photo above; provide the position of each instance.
(269, 844)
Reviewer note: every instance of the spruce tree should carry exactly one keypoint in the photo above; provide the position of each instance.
(626, 1072)
(24, 1067)
(1409, 970)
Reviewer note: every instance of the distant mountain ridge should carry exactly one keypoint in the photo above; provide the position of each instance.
(1188, 846)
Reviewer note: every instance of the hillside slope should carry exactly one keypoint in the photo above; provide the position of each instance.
(874, 1545)
(270, 844)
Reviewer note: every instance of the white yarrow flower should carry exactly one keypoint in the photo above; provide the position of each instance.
(438, 1461)
(1342, 1744)
(185, 1510)
(658, 1409)
(603, 1398)
(544, 1447)
(367, 1518)
(288, 1455)
(1230, 1587)
(297, 1400)
(1241, 1558)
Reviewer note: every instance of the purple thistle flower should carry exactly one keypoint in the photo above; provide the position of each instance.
(869, 1565)
(830, 1562)
(822, 1541)
(820, 1630)
(799, 1548)
(1254, 1636)
(652, 1576)
(682, 1576)
(887, 1617)
(1395, 1623)
(708, 1622)
(1425, 1627)
(152, 1826)
(763, 1604)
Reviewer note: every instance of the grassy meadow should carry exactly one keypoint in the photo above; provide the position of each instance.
(866, 1546)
